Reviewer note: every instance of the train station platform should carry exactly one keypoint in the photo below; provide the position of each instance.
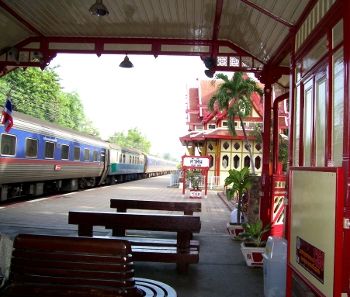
(221, 271)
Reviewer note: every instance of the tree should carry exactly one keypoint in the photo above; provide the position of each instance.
(133, 139)
(233, 97)
(39, 94)
(282, 145)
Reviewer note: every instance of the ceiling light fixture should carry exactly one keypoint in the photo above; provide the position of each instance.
(209, 63)
(99, 9)
(209, 73)
(126, 63)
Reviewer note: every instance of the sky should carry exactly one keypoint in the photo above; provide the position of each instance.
(151, 96)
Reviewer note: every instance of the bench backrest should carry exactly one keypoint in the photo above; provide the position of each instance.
(122, 205)
(132, 221)
(81, 264)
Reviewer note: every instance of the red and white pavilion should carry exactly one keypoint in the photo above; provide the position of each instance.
(209, 135)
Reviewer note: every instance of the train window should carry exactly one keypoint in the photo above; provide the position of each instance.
(8, 145)
(31, 148)
(123, 158)
(64, 152)
(49, 149)
(76, 153)
(120, 158)
(86, 155)
(95, 156)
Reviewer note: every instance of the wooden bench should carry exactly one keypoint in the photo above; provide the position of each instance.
(188, 208)
(181, 251)
(57, 266)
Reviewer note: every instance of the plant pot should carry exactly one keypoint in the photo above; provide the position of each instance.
(195, 193)
(234, 230)
(253, 255)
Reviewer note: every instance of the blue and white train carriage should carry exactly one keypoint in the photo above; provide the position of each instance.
(37, 157)
(125, 164)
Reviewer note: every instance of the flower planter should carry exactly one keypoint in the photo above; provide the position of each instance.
(253, 255)
(234, 230)
(195, 194)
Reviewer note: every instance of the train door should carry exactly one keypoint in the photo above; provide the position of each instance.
(105, 160)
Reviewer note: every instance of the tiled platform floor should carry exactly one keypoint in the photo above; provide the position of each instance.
(221, 271)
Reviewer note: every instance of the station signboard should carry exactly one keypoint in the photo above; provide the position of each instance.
(195, 162)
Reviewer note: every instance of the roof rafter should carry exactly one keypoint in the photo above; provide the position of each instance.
(20, 19)
(268, 13)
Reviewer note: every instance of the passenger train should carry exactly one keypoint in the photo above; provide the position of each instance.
(38, 157)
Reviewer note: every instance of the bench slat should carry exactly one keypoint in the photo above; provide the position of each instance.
(155, 241)
(74, 280)
(122, 205)
(167, 256)
(153, 222)
(74, 257)
(67, 244)
(76, 271)
(47, 290)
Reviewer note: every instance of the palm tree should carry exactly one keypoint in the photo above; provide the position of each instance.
(233, 97)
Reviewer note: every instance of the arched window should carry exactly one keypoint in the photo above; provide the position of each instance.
(247, 161)
(257, 162)
(211, 161)
(225, 161)
(236, 162)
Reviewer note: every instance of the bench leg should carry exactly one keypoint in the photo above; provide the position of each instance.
(85, 230)
(118, 232)
(183, 247)
(182, 267)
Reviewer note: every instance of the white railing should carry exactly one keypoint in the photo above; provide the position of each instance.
(175, 179)
(214, 182)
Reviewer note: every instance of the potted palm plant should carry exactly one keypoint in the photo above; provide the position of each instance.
(238, 183)
(194, 179)
(253, 244)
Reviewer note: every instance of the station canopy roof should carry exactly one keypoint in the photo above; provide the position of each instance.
(237, 34)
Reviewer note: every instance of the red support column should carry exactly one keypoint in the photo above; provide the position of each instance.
(269, 75)
(265, 202)
(275, 141)
(346, 145)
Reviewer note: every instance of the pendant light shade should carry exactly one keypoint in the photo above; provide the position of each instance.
(126, 63)
(99, 9)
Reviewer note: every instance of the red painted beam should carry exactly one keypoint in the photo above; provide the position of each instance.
(218, 13)
(216, 26)
(20, 19)
(268, 13)
(156, 43)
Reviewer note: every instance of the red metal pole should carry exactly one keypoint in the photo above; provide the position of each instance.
(346, 145)
(275, 141)
(265, 204)
(184, 181)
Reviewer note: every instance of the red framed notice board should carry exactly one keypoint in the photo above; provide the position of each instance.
(315, 229)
